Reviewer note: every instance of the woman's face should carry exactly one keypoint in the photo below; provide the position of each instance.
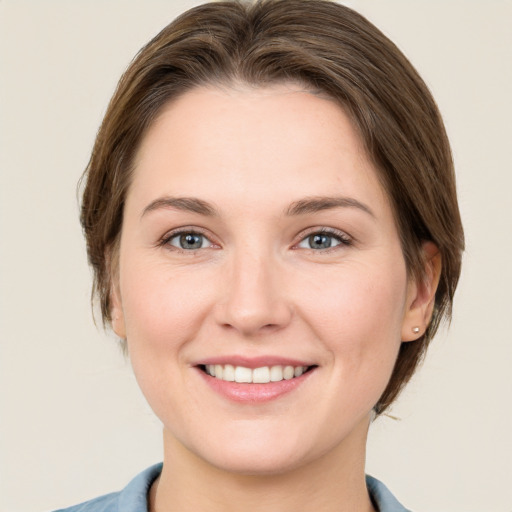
(256, 238)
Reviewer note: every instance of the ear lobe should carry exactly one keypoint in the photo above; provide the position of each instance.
(421, 295)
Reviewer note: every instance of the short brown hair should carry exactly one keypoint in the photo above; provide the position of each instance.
(329, 48)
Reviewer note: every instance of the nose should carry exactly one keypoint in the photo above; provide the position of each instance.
(253, 299)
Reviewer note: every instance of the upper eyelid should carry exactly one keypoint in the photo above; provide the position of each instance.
(324, 230)
(169, 235)
(343, 235)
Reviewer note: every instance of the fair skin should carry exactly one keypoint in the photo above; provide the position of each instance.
(256, 234)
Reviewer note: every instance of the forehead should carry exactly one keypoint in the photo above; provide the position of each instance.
(258, 143)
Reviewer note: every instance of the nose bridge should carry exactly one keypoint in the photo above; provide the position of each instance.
(254, 298)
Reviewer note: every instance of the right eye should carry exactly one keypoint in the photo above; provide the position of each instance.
(188, 241)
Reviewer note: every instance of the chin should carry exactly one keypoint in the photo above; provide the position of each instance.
(254, 463)
(262, 449)
(248, 449)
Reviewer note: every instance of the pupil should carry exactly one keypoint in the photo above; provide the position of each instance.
(191, 241)
(319, 241)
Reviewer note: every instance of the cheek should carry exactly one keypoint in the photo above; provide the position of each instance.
(355, 296)
(358, 315)
(163, 313)
(159, 304)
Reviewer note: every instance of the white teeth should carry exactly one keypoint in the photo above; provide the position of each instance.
(288, 372)
(219, 371)
(242, 374)
(261, 375)
(229, 373)
(276, 373)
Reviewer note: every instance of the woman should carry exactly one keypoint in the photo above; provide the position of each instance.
(270, 213)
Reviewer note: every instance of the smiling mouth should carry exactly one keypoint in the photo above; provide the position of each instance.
(262, 375)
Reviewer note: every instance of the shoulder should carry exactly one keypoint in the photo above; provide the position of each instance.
(133, 498)
(382, 497)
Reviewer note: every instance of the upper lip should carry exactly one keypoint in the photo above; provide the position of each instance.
(252, 362)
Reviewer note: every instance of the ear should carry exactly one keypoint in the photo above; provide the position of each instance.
(116, 305)
(421, 295)
(116, 311)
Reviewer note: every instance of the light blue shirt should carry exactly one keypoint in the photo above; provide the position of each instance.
(134, 497)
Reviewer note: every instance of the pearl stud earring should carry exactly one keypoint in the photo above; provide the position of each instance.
(415, 330)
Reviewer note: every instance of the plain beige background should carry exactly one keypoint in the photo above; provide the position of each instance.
(73, 424)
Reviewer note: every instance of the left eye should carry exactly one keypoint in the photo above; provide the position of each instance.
(319, 241)
(189, 241)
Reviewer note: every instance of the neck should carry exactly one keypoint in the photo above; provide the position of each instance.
(333, 482)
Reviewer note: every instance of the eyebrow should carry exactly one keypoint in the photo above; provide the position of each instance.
(319, 203)
(187, 204)
(301, 207)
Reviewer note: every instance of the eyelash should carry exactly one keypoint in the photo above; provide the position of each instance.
(341, 237)
(166, 239)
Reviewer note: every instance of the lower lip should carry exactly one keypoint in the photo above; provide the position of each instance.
(254, 393)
